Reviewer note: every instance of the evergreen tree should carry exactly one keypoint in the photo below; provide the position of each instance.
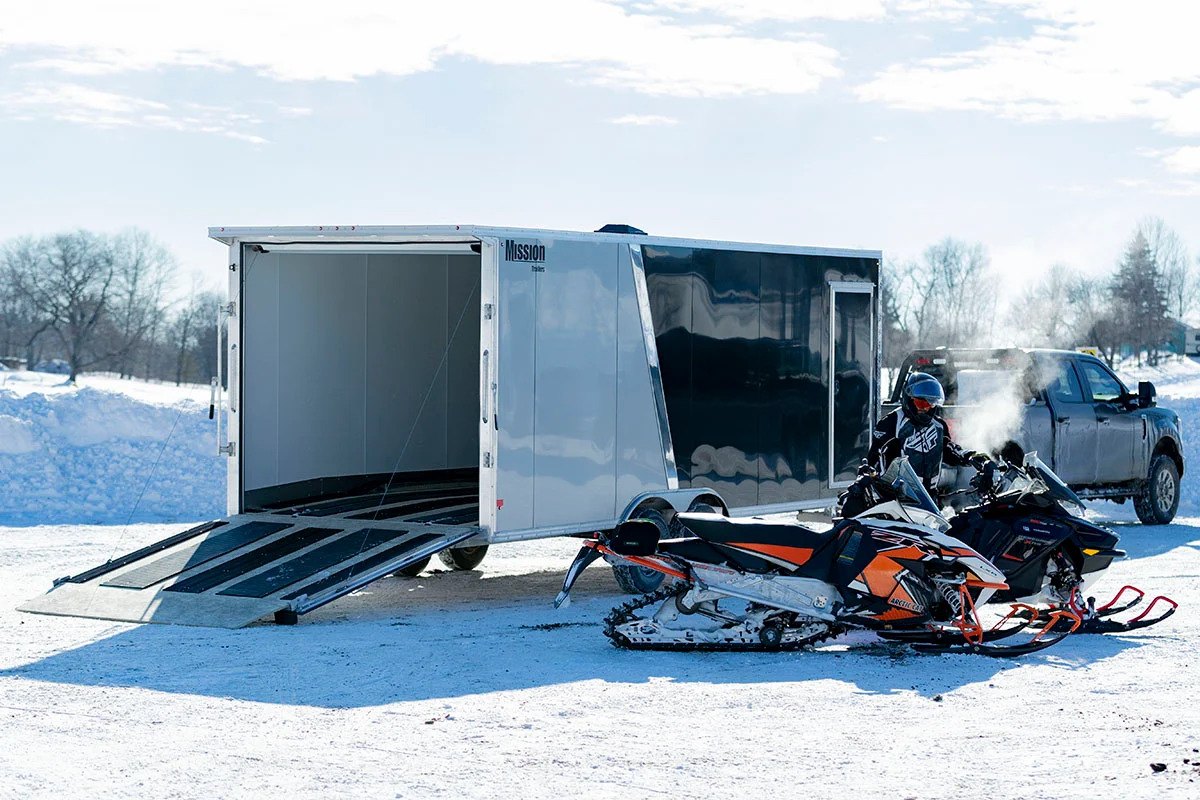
(1140, 304)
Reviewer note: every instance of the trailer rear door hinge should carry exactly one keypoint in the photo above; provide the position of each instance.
(228, 449)
(488, 310)
(487, 459)
(229, 309)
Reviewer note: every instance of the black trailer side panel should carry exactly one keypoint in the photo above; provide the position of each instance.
(743, 342)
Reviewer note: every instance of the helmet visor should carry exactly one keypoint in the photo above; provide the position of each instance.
(924, 406)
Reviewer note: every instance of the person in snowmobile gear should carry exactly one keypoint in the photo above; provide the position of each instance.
(915, 430)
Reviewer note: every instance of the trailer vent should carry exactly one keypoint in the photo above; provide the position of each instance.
(620, 228)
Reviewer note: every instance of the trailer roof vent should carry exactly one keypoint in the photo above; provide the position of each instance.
(619, 228)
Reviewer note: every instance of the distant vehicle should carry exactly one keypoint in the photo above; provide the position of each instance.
(1104, 440)
(55, 366)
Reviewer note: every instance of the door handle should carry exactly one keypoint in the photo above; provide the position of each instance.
(1062, 420)
(485, 394)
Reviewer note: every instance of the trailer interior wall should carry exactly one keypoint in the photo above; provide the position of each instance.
(356, 365)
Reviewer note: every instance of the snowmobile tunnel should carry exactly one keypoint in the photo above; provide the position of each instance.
(232, 572)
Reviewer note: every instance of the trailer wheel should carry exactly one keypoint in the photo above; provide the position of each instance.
(637, 580)
(1158, 499)
(414, 569)
(641, 580)
(463, 558)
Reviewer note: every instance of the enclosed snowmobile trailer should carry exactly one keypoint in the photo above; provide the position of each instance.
(398, 391)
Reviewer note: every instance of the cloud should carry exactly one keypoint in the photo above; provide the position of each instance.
(1083, 60)
(293, 111)
(640, 47)
(1185, 160)
(644, 119)
(775, 10)
(82, 105)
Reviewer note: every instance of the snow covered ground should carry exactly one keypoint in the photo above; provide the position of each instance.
(470, 684)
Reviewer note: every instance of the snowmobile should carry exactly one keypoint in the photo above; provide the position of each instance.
(760, 584)
(1030, 524)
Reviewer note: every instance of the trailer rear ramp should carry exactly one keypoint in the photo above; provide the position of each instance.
(231, 572)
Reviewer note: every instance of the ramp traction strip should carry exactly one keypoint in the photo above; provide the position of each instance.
(407, 510)
(203, 552)
(359, 504)
(303, 567)
(362, 566)
(247, 562)
(148, 550)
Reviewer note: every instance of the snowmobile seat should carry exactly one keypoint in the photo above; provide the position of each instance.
(696, 549)
(760, 545)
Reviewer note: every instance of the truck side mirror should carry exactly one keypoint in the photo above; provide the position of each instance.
(1146, 393)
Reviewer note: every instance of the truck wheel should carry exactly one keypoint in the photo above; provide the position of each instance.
(414, 569)
(462, 558)
(1158, 499)
(637, 580)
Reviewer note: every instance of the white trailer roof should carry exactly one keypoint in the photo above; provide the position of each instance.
(345, 234)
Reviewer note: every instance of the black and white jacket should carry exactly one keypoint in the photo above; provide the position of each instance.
(927, 447)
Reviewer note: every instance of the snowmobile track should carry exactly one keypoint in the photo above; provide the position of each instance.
(626, 613)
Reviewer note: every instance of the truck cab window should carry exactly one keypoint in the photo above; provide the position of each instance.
(1104, 386)
(1063, 385)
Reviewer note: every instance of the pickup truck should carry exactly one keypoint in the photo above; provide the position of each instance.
(1104, 440)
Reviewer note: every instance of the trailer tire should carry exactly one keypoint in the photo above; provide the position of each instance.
(637, 580)
(1158, 499)
(463, 558)
(414, 569)
(642, 580)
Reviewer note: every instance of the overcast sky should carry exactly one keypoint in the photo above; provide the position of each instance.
(1043, 128)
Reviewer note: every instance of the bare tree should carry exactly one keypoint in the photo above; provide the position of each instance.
(948, 297)
(1090, 301)
(69, 283)
(894, 303)
(143, 270)
(1044, 315)
(24, 326)
(1180, 282)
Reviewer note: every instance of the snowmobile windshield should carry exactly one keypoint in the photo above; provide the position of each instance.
(910, 491)
(1054, 484)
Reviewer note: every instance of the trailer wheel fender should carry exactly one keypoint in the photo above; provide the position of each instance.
(670, 503)
(709, 502)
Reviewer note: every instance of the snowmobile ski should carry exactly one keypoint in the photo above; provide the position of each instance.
(1098, 619)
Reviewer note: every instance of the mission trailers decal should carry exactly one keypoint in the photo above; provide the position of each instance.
(522, 251)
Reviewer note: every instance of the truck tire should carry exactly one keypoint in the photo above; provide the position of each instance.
(1158, 499)
(463, 558)
(414, 569)
(637, 580)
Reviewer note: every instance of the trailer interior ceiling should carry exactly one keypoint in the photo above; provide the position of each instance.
(361, 371)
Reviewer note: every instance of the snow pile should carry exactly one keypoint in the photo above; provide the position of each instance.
(105, 455)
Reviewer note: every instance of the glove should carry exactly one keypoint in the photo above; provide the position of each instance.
(979, 461)
(985, 479)
(866, 470)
